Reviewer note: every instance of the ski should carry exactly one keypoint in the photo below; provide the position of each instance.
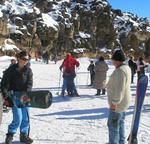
(139, 100)
(6, 110)
(59, 94)
(63, 97)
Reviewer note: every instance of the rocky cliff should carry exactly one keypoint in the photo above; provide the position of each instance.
(86, 27)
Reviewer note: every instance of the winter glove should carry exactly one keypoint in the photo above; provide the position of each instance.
(60, 68)
(146, 66)
(8, 102)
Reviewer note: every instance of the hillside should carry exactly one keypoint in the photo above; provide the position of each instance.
(87, 27)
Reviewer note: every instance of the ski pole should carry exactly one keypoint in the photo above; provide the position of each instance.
(76, 77)
(59, 82)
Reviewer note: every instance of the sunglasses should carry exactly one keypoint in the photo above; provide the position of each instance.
(24, 59)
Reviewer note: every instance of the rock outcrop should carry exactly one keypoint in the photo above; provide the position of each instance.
(87, 28)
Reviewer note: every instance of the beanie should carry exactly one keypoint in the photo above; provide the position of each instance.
(118, 56)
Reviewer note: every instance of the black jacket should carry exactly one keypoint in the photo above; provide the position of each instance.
(132, 66)
(91, 69)
(16, 79)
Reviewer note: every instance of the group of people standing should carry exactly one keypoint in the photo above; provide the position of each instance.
(19, 77)
(46, 57)
(98, 73)
(118, 89)
(137, 67)
(68, 67)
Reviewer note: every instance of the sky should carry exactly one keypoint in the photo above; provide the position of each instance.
(76, 120)
(139, 7)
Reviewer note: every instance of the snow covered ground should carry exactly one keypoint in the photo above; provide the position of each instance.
(77, 120)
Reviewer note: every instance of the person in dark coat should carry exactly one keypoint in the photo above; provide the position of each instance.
(46, 57)
(133, 68)
(18, 77)
(141, 67)
(1, 108)
(92, 73)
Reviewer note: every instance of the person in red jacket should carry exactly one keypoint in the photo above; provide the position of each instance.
(69, 64)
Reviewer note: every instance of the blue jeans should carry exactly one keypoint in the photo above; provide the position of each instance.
(64, 85)
(20, 119)
(115, 125)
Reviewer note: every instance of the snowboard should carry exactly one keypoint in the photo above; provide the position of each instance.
(35, 99)
(139, 100)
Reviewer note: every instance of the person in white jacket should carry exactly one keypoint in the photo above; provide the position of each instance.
(119, 98)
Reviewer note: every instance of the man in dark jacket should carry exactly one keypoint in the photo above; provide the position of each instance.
(18, 77)
(92, 73)
(133, 68)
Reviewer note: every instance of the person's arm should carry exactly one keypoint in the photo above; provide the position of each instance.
(30, 80)
(88, 68)
(77, 63)
(5, 81)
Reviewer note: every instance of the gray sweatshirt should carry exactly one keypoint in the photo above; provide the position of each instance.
(118, 88)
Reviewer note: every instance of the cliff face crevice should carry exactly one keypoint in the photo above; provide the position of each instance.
(62, 26)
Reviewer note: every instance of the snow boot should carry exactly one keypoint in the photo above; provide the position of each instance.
(103, 92)
(9, 138)
(98, 92)
(24, 138)
(70, 94)
(76, 93)
(63, 93)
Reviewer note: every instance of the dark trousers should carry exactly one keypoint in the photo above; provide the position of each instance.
(132, 77)
(92, 78)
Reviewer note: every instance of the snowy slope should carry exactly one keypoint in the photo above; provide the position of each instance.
(78, 120)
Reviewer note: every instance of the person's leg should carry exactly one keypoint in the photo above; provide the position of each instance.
(98, 92)
(12, 128)
(17, 118)
(92, 78)
(24, 127)
(138, 73)
(122, 130)
(70, 84)
(113, 127)
(132, 78)
(103, 91)
(46, 60)
(64, 85)
(75, 89)
(70, 89)
(25, 120)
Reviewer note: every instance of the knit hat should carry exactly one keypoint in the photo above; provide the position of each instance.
(118, 56)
